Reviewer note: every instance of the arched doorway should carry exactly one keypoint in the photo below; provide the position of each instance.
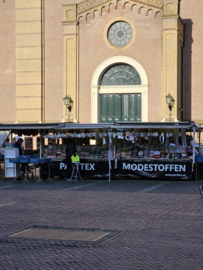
(120, 106)
(119, 91)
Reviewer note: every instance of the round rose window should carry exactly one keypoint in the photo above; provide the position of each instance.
(119, 34)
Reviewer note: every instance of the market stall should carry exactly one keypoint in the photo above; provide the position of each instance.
(125, 149)
(159, 151)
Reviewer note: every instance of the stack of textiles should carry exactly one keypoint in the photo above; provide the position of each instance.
(87, 151)
(140, 154)
(146, 153)
(82, 153)
(96, 152)
(54, 151)
(58, 151)
(63, 151)
(102, 152)
(124, 151)
(151, 153)
(135, 152)
(45, 151)
(92, 150)
(49, 151)
(118, 151)
(157, 154)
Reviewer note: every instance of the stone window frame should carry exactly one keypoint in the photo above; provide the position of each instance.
(97, 89)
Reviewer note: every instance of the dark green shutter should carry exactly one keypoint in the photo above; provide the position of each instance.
(110, 108)
(103, 108)
(131, 107)
(120, 107)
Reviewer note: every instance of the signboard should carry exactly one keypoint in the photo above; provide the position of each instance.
(155, 169)
(90, 168)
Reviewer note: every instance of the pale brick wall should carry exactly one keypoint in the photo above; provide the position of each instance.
(146, 49)
(191, 11)
(53, 60)
(7, 62)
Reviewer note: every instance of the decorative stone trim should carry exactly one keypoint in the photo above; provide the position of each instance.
(89, 7)
(96, 90)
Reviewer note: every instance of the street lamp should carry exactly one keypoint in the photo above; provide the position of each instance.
(68, 102)
(69, 105)
(170, 103)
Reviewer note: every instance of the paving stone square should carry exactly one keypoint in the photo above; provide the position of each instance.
(159, 224)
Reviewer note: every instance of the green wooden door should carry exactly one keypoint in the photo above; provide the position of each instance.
(120, 107)
(110, 108)
(131, 107)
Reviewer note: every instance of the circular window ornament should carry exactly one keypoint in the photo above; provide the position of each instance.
(119, 34)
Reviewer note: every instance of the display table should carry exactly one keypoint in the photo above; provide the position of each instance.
(26, 160)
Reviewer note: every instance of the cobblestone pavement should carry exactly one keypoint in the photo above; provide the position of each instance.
(159, 224)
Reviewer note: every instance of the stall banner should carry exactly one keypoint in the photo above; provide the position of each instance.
(91, 168)
(155, 169)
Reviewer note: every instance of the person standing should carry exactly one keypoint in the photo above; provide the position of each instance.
(70, 150)
(18, 145)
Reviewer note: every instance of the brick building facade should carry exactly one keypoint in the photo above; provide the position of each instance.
(50, 49)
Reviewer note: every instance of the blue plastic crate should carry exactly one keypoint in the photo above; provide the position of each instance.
(24, 160)
(24, 157)
(13, 160)
(35, 156)
(34, 160)
(43, 160)
(198, 158)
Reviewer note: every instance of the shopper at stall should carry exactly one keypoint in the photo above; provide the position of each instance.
(70, 150)
(18, 145)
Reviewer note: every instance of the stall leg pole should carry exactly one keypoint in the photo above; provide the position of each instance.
(35, 173)
(76, 175)
(72, 174)
(199, 138)
(109, 161)
(109, 173)
(40, 148)
(79, 172)
(193, 148)
(49, 179)
(25, 180)
(39, 180)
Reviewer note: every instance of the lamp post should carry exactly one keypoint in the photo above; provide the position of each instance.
(68, 102)
(170, 103)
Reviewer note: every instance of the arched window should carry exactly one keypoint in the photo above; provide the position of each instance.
(121, 74)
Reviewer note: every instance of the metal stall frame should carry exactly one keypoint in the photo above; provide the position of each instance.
(41, 127)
